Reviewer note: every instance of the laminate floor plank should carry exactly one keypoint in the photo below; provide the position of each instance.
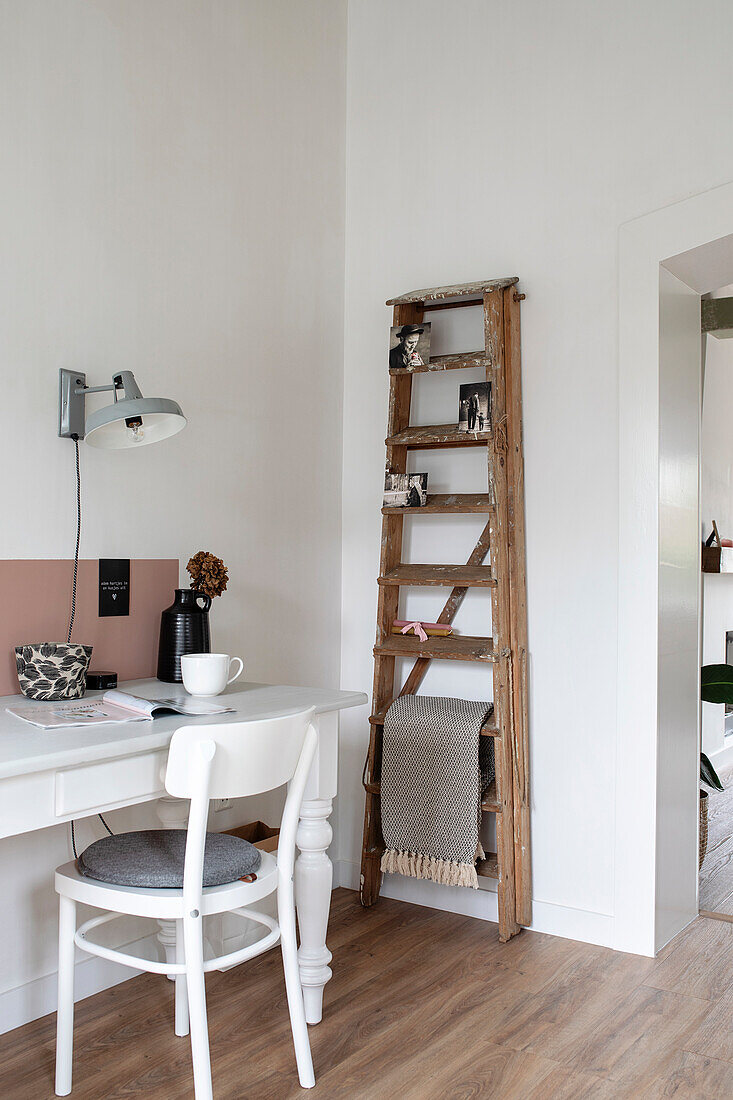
(637, 1040)
(423, 1005)
(463, 1060)
(593, 984)
(701, 966)
(492, 1070)
(464, 1013)
(714, 1036)
(693, 1077)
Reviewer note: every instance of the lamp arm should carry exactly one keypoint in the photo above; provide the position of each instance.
(84, 390)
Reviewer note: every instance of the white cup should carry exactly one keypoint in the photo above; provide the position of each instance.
(208, 673)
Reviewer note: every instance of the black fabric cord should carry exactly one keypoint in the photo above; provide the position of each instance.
(73, 834)
(78, 538)
(73, 608)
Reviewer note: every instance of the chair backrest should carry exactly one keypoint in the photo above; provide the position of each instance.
(235, 760)
(251, 757)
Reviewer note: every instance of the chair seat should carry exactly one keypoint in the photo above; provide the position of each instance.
(164, 902)
(154, 858)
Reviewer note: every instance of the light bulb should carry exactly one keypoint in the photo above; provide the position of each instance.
(135, 431)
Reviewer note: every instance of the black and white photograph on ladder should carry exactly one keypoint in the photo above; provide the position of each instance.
(405, 490)
(409, 346)
(474, 407)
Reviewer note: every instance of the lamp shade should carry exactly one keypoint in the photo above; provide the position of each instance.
(134, 422)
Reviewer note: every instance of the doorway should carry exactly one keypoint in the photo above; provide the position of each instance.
(667, 261)
(715, 895)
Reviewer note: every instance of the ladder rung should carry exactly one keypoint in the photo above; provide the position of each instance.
(444, 503)
(489, 867)
(463, 576)
(458, 290)
(451, 303)
(488, 730)
(437, 435)
(490, 802)
(459, 647)
(447, 362)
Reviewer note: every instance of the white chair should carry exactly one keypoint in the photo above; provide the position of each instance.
(224, 761)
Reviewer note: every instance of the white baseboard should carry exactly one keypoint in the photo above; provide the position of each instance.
(723, 758)
(556, 920)
(37, 998)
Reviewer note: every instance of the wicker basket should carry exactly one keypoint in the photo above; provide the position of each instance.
(703, 827)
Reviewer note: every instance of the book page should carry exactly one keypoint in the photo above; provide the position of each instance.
(75, 712)
(143, 708)
(192, 706)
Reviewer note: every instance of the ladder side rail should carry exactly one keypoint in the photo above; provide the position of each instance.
(400, 396)
(518, 592)
(501, 610)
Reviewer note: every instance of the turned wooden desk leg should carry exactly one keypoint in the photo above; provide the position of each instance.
(173, 814)
(313, 880)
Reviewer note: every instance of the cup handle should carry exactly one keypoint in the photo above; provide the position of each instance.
(239, 671)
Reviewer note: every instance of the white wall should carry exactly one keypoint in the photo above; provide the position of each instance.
(489, 140)
(172, 201)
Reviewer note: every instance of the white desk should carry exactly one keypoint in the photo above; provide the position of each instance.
(51, 776)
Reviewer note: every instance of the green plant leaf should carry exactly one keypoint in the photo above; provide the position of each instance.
(716, 683)
(708, 773)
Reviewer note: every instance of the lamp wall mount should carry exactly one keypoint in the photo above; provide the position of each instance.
(72, 406)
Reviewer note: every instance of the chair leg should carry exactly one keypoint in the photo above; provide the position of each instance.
(181, 993)
(194, 949)
(65, 1010)
(289, 946)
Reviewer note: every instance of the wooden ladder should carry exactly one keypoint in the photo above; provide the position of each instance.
(503, 540)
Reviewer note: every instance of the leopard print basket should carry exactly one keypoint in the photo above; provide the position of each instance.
(52, 670)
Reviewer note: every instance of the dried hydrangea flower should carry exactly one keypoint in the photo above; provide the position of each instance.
(208, 573)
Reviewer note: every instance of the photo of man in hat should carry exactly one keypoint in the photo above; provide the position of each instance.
(409, 346)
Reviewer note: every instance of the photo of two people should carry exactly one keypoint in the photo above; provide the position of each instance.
(474, 403)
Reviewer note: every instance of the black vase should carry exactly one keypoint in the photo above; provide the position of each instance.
(184, 628)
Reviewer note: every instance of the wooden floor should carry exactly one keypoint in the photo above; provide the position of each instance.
(422, 1005)
(716, 874)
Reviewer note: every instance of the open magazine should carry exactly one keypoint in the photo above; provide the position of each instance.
(113, 706)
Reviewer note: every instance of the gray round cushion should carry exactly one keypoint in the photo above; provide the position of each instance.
(154, 858)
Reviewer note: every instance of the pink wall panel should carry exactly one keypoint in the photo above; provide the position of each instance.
(35, 599)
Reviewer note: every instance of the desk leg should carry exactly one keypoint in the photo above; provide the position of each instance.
(313, 879)
(173, 814)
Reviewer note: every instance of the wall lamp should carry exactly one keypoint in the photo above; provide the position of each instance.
(130, 421)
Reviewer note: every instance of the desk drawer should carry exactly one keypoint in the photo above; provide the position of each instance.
(110, 783)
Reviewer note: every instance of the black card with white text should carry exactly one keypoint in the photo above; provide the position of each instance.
(114, 586)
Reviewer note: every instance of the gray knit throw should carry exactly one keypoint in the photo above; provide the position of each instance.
(435, 769)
